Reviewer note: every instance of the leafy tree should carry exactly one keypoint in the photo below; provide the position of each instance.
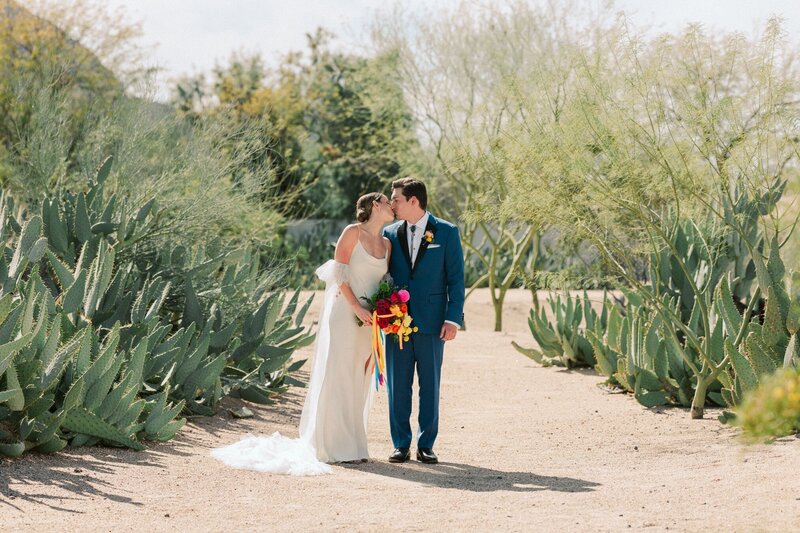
(664, 134)
(359, 128)
(237, 99)
(332, 125)
(466, 73)
(55, 51)
(62, 110)
(109, 36)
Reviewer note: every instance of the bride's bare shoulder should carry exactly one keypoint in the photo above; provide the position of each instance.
(347, 241)
(350, 232)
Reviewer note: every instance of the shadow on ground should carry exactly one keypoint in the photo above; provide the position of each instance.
(285, 411)
(57, 481)
(473, 478)
(74, 475)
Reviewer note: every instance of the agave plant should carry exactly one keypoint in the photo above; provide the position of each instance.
(64, 385)
(563, 341)
(693, 334)
(101, 343)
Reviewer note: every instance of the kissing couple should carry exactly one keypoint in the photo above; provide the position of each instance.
(422, 254)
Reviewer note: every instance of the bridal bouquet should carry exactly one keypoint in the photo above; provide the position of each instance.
(389, 306)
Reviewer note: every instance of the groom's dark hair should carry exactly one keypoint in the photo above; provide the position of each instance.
(412, 186)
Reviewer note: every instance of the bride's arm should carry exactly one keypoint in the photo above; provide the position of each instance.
(388, 250)
(344, 249)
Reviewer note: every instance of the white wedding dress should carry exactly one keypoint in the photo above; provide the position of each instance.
(333, 426)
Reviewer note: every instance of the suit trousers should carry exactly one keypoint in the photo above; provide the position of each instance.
(423, 352)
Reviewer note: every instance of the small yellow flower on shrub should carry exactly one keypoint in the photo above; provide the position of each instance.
(773, 408)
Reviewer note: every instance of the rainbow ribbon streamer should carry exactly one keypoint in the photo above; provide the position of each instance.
(378, 357)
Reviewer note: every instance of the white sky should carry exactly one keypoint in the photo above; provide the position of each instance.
(192, 35)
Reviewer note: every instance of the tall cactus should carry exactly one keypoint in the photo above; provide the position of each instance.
(758, 349)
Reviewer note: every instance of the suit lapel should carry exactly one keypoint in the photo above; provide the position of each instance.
(431, 226)
(403, 238)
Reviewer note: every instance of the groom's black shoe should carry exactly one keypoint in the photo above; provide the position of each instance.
(400, 455)
(426, 455)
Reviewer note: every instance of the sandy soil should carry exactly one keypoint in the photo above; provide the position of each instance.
(523, 448)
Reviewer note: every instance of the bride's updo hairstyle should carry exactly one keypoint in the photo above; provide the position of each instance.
(364, 206)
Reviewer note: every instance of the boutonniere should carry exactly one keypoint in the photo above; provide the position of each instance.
(429, 236)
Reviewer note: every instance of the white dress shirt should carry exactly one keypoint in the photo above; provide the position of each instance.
(415, 239)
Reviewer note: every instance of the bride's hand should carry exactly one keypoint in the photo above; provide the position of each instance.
(363, 315)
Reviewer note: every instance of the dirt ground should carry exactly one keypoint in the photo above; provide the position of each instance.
(523, 448)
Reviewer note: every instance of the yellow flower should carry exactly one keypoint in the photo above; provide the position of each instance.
(406, 321)
(429, 236)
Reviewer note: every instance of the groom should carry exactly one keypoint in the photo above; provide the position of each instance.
(428, 260)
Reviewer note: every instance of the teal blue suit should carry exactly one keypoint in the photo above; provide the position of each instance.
(436, 285)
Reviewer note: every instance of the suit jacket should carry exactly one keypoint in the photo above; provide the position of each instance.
(436, 283)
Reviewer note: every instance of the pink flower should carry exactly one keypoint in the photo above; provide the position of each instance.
(403, 295)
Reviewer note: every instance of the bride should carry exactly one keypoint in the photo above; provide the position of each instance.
(333, 426)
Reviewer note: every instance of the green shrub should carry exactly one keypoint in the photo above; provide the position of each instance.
(773, 408)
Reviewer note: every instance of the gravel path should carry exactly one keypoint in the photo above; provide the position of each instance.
(523, 448)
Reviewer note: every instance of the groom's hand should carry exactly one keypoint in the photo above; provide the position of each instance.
(448, 332)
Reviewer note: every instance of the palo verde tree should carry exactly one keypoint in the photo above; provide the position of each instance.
(668, 132)
(472, 76)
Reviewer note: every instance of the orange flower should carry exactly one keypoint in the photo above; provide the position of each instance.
(404, 308)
